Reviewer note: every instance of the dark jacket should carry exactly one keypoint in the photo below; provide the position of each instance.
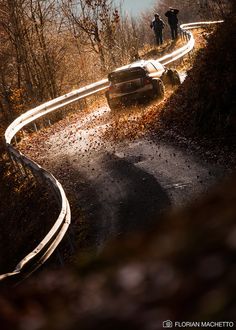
(172, 16)
(157, 24)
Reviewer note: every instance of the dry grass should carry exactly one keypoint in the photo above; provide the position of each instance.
(155, 52)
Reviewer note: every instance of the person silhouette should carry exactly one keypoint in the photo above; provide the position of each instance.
(171, 14)
(158, 25)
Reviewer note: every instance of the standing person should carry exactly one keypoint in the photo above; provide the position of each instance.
(171, 14)
(158, 25)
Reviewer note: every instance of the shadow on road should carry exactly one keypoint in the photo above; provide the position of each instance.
(114, 198)
(143, 198)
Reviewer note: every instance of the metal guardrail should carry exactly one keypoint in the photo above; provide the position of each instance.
(47, 246)
(179, 53)
(51, 106)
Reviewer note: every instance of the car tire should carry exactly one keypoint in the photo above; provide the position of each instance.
(113, 105)
(171, 77)
(175, 78)
(158, 89)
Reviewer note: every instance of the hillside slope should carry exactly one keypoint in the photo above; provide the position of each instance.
(205, 103)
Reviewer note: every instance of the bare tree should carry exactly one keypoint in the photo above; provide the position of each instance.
(31, 27)
(94, 21)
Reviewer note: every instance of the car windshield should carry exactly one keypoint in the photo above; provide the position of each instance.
(125, 75)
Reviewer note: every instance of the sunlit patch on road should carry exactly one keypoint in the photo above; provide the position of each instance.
(98, 113)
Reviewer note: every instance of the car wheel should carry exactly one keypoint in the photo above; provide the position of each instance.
(113, 105)
(175, 78)
(171, 77)
(158, 89)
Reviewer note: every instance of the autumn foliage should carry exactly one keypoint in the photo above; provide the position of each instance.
(205, 102)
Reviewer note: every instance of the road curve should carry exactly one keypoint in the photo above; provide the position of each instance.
(122, 186)
(41, 110)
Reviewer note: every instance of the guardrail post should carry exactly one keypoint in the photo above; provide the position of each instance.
(23, 168)
(186, 36)
(17, 164)
(13, 161)
(9, 155)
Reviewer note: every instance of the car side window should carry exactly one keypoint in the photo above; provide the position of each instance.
(158, 66)
(151, 68)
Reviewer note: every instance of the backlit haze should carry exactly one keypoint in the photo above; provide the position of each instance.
(134, 7)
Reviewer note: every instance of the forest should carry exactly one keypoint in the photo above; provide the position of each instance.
(52, 47)
(182, 268)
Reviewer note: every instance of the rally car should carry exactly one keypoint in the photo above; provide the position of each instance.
(138, 80)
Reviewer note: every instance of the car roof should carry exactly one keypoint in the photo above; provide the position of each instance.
(137, 64)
